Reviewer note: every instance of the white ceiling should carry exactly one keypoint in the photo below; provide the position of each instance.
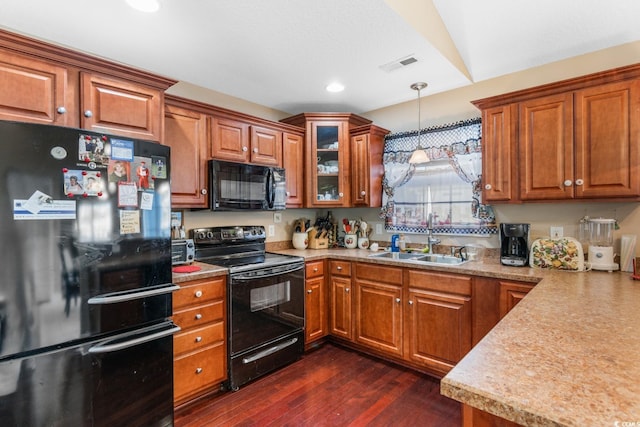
(282, 53)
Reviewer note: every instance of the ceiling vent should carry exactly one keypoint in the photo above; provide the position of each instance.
(399, 63)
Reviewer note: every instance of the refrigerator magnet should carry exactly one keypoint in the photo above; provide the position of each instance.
(129, 222)
(159, 167)
(127, 194)
(146, 200)
(92, 183)
(73, 182)
(121, 149)
(142, 174)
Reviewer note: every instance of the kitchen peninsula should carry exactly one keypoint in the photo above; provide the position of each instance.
(565, 355)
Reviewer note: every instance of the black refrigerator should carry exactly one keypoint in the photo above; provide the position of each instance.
(85, 284)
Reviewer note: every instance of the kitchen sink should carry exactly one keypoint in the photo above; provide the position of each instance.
(421, 258)
(398, 255)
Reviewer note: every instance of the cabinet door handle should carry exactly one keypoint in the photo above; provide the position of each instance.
(88, 113)
(198, 370)
(198, 316)
(340, 194)
(346, 289)
(363, 193)
(198, 294)
(255, 149)
(287, 193)
(579, 182)
(198, 339)
(203, 191)
(244, 149)
(61, 110)
(567, 183)
(309, 291)
(410, 302)
(487, 187)
(398, 300)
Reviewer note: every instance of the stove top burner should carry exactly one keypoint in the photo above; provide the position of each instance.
(239, 248)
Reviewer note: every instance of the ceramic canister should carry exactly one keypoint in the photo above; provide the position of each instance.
(350, 241)
(300, 240)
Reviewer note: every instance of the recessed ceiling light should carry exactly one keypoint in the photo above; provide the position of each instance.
(144, 5)
(335, 87)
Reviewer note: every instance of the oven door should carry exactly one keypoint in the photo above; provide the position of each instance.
(266, 320)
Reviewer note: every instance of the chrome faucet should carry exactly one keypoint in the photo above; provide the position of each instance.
(430, 239)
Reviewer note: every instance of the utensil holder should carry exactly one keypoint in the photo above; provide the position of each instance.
(350, 241)
(300, 240)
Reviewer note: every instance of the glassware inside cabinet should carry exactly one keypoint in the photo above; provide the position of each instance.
(328, 171)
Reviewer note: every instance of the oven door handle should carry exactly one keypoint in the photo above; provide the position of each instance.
(116, 297)
(269, 351)
(107, 346)
(277, 272)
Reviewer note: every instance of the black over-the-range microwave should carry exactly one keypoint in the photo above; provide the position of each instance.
(240, 186)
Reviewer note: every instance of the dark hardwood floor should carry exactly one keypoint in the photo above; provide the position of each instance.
(330, 386)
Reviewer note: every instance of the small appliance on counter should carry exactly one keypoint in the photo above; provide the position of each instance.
(514, 244)
(600, 239)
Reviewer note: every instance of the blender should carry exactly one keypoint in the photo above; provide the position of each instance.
(600, 238)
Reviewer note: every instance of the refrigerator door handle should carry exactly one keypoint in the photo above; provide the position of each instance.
(128, 296)
(107, 346)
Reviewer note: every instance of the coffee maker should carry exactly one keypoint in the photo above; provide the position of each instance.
(514, 244)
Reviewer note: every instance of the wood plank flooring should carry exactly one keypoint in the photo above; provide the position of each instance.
(331, 386)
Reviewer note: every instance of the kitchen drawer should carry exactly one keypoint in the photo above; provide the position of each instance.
(193, 373)
(378, 273)
(314, 269)
(200, 315)
(194, 339)
(340, 268)
(440, 282)
(199, 292)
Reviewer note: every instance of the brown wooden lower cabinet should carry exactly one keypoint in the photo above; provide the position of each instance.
(200, 348)
(378, 307)
(315, 327)
(438, 328)
(340, 305)
(472, 417)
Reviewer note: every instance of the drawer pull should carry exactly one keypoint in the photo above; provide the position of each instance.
(198, 339)
(198, 370)
(339, 268)
(198, 294)
(198, 316)
(315, 270)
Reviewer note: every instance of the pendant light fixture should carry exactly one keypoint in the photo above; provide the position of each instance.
(419, 155)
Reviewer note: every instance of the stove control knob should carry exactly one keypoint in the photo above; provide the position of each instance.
(201, 235)
(209, 234)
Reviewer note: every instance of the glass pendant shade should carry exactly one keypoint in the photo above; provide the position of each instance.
(419, 155)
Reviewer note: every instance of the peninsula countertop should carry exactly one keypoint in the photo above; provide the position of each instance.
(567, 355)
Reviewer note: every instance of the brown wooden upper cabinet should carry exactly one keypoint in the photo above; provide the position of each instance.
(186, 134)
(119, 107)
(47, 84)
(239, 141)
(574, 139)
(343, 159)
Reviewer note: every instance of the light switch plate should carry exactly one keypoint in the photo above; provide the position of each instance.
(378, 228)
(277, 217)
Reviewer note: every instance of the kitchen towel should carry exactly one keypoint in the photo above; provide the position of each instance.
(627, 252)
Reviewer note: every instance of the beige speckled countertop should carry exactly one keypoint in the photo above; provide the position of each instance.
(567, 355)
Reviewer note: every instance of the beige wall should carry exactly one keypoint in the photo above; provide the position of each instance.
(439, 109)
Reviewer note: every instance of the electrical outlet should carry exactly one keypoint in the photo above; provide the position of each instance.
(277, 217)
(272, 230)
(556, 232)
(378, 228)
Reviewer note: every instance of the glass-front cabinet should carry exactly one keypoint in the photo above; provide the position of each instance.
(329, 173)
(328, 163)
